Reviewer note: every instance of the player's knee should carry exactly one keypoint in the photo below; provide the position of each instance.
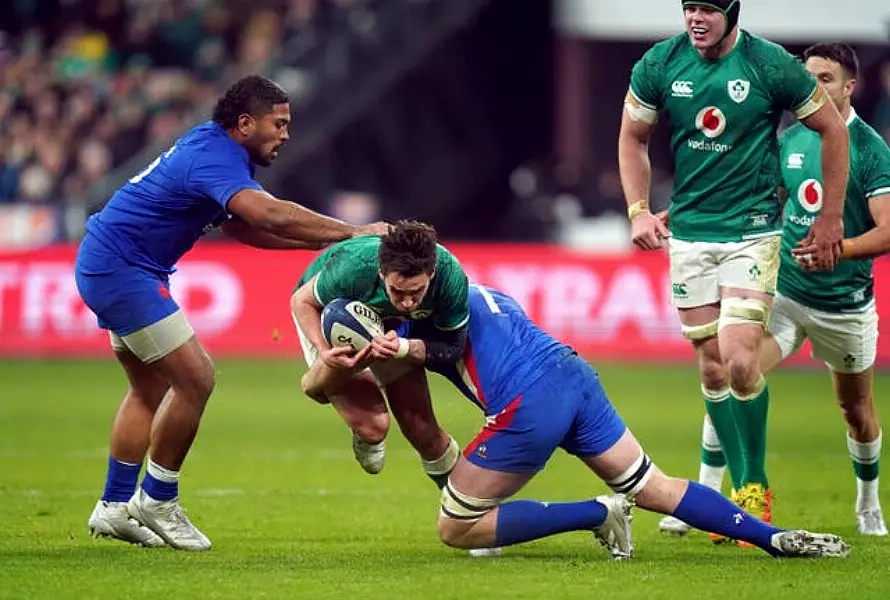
(712, 371)
(458, 514)
(372, 428)
(744, 372)
(635, 478)
(858, 413)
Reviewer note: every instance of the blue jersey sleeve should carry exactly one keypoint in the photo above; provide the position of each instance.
(220, 176)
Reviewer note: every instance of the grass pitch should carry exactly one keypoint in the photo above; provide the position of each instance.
(272, 481)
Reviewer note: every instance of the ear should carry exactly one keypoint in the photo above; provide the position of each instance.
(850, 87)
(246, 124)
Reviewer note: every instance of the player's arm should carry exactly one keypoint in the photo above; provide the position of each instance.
(334, 365)
(252, 236)
(442, 349)
(875, 242)
(291, 221)
(835, 139)
(637, 124)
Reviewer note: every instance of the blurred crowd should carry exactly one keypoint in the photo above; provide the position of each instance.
(84, 84)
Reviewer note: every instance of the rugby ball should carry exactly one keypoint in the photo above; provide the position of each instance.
(351, 323)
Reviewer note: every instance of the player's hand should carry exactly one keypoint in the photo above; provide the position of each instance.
(665, 218)
(385, 346)
(821, 249)
(345, 357)
(648, 231)
(378, 228)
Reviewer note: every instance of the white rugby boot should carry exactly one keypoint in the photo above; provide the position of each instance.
(370, 456)
(871, 522)
(112, 520)
(485, 552)
(167, 519)
(673, 526)
(615, 533)
(803, 544)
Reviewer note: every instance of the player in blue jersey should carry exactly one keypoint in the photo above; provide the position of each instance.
(131, 247)
(537, 396)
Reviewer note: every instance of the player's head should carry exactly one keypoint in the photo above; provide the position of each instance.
(255, 112)
(836, 66)
(407, 259)
(709, 22)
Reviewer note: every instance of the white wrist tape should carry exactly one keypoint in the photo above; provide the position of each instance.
(404, 346)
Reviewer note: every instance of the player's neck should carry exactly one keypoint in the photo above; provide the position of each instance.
(847, 112)
(723, 48)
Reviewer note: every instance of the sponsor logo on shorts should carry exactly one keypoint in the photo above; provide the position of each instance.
(849, 361)
(679, 290)
(754, 273)
(482, 451)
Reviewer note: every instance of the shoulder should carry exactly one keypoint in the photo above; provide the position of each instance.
(864, 137)
(665, 50)
(446, 260)
(759, 48)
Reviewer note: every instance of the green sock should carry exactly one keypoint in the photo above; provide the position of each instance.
(750, 414)
(718, 407)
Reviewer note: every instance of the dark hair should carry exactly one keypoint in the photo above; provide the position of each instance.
(409, 249)
(252, 95)
(842, 54)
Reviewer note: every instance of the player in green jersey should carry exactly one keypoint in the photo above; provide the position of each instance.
(836, 311)
(402, 275)
(724, 90)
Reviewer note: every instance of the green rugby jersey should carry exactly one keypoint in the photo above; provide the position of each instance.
(849, 288)
(724, 115)
(350, 269)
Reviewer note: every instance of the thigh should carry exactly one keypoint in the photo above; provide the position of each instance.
(359, 400)
(846, 342)
(126, 299)
(409, 398)
(693, 271)
(752, 265)
(479, 482)
(787, 325)
(597, 426)
(145, 380)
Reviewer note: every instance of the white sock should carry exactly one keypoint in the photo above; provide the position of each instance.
(446, 462)
(865, 456)
(709, 475)
(162, 474)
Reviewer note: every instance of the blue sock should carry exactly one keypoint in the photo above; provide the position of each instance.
(705, 509)
(160, 483)
(120, 481)
(525, 520)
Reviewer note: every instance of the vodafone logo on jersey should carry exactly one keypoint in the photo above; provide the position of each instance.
(710, 121)
(809, 194)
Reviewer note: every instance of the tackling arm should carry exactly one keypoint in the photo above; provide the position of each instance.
(252, 236)
(835, 137)
(875, 242)
(292, 221)
(446, 349)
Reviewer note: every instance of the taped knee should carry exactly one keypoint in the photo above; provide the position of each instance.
(741, 311)
(634, 478)
(695, 333)
(456, 505)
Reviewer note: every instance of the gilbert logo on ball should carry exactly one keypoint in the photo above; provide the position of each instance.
(350, 323)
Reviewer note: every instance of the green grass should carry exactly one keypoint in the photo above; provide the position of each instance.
(272, 481)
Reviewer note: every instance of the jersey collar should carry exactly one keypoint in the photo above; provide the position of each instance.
(852, 116)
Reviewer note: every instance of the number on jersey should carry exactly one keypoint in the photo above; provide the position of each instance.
(144, 172)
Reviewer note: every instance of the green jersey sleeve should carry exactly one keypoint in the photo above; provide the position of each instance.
(346, 274)
(792, 86)
(877, 171)
(646, 80)
(453, 290)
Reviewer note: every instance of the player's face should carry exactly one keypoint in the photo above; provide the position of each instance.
(704, 26)
(406, 293)
(270, 132)
(833, 78)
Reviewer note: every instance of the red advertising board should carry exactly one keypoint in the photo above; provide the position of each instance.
(606, 306)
